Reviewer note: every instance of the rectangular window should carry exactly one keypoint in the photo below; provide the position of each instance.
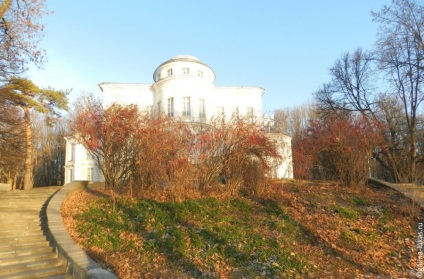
(236, 113)
(170, 72)
(186, 106)
(221, 114)
(202, 111)
(200, 73)
(90, 173)
(72, 155)
(71, 175)
(89, 156)
(149, 110)
(159, 110)
(171, 107)
(249, 114)
(186, 71)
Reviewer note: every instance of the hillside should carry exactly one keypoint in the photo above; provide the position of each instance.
(295, 230)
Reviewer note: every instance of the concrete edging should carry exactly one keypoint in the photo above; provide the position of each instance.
(77, 262)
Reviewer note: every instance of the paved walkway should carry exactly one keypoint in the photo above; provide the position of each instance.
(413, 191)
(24, 249)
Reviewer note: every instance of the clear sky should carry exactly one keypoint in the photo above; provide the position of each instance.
(283, 46)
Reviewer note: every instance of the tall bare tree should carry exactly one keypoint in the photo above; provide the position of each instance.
(400, 52)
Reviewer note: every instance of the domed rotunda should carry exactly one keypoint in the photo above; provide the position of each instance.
(184, 88)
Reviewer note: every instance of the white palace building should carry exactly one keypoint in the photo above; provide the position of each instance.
(183, 87)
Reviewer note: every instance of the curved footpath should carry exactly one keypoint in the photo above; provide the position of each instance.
(24, 250)
(33, 240)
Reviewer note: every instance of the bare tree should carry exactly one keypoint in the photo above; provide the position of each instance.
(292, 121)
(400, 53)
(12, 144)
(49, 151)
(352, 86)
(20, 32)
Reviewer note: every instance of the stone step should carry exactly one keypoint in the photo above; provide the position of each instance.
(21, 245)
(4, 263)
(33, 236)
(35, 274)
(25, 251)
(36, 265)
(26, 230)
(19, 219)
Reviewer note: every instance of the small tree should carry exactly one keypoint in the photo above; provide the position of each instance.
(162, 158)
(110, 135)
(232, 151)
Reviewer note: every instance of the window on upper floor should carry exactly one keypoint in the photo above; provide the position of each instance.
(158, 76)
(171, 107)
(200, 73)
(186, 106)
(202, 109)
(159, 108)
(170, 72)
(186, 70)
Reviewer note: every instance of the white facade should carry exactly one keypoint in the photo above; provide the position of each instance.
(183, 88)
(79, 164)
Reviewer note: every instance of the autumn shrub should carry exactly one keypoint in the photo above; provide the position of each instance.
(109, 135)
(238, 153)
(138, 153)
(336, 148)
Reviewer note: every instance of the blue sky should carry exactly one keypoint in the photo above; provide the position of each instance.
(283, 46)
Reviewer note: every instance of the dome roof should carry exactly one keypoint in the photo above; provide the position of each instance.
(184, 59)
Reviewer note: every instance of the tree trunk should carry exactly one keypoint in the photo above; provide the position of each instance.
(413, 158)
(28, 167)
(4, 7)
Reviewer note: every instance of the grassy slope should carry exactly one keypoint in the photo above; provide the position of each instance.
(307, 230)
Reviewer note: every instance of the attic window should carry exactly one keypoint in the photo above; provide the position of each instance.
(170, 73)
(186, 71)
(200, 73)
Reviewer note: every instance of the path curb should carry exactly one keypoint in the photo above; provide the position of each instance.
(78, 263)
